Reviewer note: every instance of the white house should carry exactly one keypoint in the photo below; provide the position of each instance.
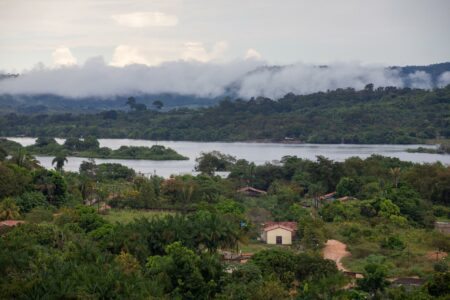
(279, 233)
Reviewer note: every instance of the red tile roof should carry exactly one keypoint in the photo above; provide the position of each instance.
(11, 223)
(291, 226)
(251, 189)
(327, 196)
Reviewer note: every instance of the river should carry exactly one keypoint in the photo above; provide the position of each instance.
(259, 153)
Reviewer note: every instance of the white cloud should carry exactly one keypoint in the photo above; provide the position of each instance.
(62, 56)
(252, 54)
(247, 78)
(444, 79)
(146, 19)
(420, 80)
(127, 55)
(196, 51)
(306, 78)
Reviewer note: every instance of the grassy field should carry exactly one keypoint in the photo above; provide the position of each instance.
(414, 259)
(128, 215)
(255, 246)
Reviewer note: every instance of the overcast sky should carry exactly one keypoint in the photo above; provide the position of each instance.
(60, 32)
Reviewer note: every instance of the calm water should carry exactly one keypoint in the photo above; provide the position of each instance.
(258, 153)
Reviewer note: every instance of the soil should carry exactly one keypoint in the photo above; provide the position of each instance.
(336, 250)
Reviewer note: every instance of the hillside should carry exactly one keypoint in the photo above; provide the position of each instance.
(427, 76)
(383, 115)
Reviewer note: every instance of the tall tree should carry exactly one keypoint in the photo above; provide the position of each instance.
(131, 102)
(8, 209)
(395, 173)
(60, 160)
(158, 104)
(24, 159)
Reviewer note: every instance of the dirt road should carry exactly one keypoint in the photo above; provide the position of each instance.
(335, 250)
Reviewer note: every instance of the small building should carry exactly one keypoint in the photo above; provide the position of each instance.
(328, 197)
(279, 233)
(408, 282)
(251, 191)
(10, 223)
(443, 227)
(345, 198)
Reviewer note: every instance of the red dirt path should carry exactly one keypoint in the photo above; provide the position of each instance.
(336, 251)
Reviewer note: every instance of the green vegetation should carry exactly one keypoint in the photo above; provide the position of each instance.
(126, 216)
(442, 149)
(107, 232)
(90, 147)
(384, 115)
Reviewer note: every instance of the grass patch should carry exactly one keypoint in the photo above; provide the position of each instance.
(364, 243)
(129, 215)
(256, 246)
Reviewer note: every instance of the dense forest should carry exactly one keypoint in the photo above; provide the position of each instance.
(108, 233)
(382, 115)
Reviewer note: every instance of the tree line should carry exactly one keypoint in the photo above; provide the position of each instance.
(383, 115)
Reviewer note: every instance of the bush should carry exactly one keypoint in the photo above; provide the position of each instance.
(393, 243)
(39, 215)
(29, 200)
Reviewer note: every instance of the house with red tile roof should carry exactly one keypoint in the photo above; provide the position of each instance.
(11, 223)
(279, 233)
(251, 191)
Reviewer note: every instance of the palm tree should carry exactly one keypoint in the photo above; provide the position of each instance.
(186, 194)
(24, 159)
(8, 209)
(59, 160)
(395, 172)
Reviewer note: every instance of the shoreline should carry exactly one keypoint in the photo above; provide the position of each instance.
(429, 144)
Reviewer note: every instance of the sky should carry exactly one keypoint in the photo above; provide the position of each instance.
(56, 33)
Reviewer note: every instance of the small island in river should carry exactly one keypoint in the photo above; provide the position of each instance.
(90, 147)
(442, 149)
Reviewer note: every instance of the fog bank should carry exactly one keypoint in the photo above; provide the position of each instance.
(242, 78)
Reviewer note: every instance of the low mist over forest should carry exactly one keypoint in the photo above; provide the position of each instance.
(96, 86)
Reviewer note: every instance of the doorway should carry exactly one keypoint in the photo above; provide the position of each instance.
(279, 240)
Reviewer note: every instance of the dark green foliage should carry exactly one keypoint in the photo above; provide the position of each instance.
(385, 115)
(52, 185)
(29, 200)
(155, 152)
(393, 243)
(9, 147)
(214, 161)
(336, 211)
(439, 284)
(441, 267)
(14, 180)
(3, 154)
(202, 230)
(412, 206)
(183, 274)
(374, 278)
(113, 171)
(348, 187)
(288, 266)
(90, 147)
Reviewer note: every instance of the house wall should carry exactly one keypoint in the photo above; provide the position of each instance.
(271, 236)
(264, 236)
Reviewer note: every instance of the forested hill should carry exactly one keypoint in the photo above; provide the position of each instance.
(63, 101)
(383, 115)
